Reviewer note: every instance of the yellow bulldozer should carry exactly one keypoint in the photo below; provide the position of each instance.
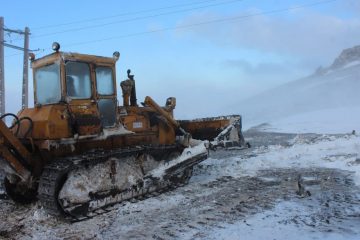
(77, 151)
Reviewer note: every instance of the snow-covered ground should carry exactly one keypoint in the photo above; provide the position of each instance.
(275, 224)
(343, 120)
(320, 151)
(323, 151)
(327, 121)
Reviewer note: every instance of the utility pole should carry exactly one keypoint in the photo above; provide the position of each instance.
(25, 89)
(2, 70)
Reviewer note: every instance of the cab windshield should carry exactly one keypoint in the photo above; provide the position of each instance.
(47, 84)
(78, 83)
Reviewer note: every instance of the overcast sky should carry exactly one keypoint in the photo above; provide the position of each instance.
(206, 53)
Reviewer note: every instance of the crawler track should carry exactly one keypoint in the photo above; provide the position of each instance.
(55, 175)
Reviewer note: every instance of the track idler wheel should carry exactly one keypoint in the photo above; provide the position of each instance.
(20, 192)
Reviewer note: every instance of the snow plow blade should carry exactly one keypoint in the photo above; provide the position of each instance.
(224, 131)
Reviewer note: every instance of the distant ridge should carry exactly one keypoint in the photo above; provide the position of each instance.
(336, 86)
(348, 57)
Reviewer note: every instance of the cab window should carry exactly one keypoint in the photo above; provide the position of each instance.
(47, 84)
(104, 81)
(78, 84)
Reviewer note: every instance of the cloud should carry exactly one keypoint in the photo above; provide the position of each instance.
(262, 68)
(351, 5)
(312, 36)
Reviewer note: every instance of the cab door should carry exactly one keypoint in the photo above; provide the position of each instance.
(82, 107)
(106, 95)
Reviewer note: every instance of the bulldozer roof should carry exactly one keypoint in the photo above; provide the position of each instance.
(64, 56)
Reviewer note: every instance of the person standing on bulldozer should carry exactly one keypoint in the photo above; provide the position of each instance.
(129, 91)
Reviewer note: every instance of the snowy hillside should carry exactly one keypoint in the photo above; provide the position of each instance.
(328, 89)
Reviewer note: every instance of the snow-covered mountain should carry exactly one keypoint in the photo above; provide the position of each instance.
(331, 88)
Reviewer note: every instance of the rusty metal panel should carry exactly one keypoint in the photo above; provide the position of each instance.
(85, 117)
(136, 123)
(10, 140)
(168, 116)
(166, 134)
(49, 122)
(72, 57)
(14, 163)
(45, 60)
(206, 128)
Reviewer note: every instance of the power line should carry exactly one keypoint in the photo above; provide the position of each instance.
(12, 55)
(17, 54)
(19, 48)
(133, 19)
(207, 22)
(121, 15)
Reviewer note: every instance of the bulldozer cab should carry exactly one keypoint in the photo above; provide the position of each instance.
(85, 84)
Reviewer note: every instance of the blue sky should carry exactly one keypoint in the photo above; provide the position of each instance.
(207, 66)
